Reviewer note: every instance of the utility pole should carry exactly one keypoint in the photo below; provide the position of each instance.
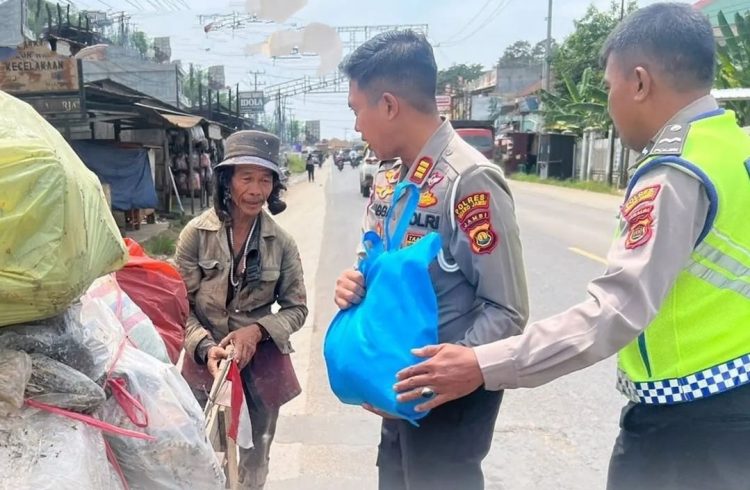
(622, 9)
(255, 78)
(548, 50)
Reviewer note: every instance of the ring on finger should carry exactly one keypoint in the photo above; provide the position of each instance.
(427, 393)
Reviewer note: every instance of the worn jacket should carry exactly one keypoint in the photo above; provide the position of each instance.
(203, 258)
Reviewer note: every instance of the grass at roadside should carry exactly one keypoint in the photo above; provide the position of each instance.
(163, 245)
(296, 164)
(572, 184)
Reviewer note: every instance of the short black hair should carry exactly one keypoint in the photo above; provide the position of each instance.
(675, 37)
(401, 62)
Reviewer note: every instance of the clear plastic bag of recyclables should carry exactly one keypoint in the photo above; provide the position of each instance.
(366, 345)
(44, 451)
(62, 338)
(54, 383)
(181, 456)
(136, 324)
(15, 370)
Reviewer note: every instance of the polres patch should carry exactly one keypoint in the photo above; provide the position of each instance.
(647, 194)
(466, 205)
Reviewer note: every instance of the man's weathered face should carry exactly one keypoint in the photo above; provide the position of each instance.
(371, 121)
(624, 104)
(250, 187)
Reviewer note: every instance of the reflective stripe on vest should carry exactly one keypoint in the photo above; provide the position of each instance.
(712, 381)
(698, 344)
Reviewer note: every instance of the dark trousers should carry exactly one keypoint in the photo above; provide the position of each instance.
(445, 452)
(310, 173)
(253, 464)
(699, 445)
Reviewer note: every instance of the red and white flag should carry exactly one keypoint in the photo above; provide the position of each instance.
(240, 430)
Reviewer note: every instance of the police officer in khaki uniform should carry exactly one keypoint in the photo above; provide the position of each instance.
(675, 298)
(478, 276)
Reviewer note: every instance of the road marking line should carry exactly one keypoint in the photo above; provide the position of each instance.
(588, 255)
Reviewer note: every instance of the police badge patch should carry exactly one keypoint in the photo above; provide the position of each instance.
(473, 214)
(640, 228)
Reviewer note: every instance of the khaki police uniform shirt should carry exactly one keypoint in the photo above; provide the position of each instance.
(658, 229)
(479, 276)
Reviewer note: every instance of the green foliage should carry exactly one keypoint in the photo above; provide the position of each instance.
(521, 52)
(579, 100)
(582, 48)
(296, 164)
(140, 42)
(457, 75)
(588, 185)
(577, 106)
(733, 69)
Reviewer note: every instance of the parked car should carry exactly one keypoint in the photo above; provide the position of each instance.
(367, 171)
(479, 134)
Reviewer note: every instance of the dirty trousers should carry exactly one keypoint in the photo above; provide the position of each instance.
(253, 464)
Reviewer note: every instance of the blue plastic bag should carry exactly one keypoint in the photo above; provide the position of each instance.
(369, 343)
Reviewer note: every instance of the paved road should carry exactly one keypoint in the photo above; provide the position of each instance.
(555, 437)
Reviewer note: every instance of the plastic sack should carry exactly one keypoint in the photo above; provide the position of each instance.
(158, 288)
(138, 327)
(54, 383)
(15, 370)
(62, 338)
(58, 232)
(367, 344)
(181, 456)
(43, 451)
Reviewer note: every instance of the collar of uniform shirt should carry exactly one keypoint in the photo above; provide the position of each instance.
(684, 116)
(434, 148)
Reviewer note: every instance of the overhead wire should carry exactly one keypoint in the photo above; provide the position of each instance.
(470, 21)
(501, 6)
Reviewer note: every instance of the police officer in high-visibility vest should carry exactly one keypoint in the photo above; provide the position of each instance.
(675, 298)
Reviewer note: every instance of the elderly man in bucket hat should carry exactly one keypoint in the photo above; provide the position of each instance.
(236, 263)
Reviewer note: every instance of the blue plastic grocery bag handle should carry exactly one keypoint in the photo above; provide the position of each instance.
(393, 242)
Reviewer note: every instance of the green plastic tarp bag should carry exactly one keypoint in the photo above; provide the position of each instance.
(57, 233)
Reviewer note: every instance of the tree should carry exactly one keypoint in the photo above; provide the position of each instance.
(457, 75)
(539, 51)
(582, 48)
(518, 52)
(295, 129)
(734, 61)
(140, 42)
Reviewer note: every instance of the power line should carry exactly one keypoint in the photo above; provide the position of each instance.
(486, 22)
(476, 16)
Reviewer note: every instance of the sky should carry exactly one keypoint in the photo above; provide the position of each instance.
(461, 31)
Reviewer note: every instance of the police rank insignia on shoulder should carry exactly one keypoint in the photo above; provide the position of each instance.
(422, 170)
(638, 212)
(473, 215)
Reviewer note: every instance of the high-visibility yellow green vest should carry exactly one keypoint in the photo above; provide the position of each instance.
(699, 342)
